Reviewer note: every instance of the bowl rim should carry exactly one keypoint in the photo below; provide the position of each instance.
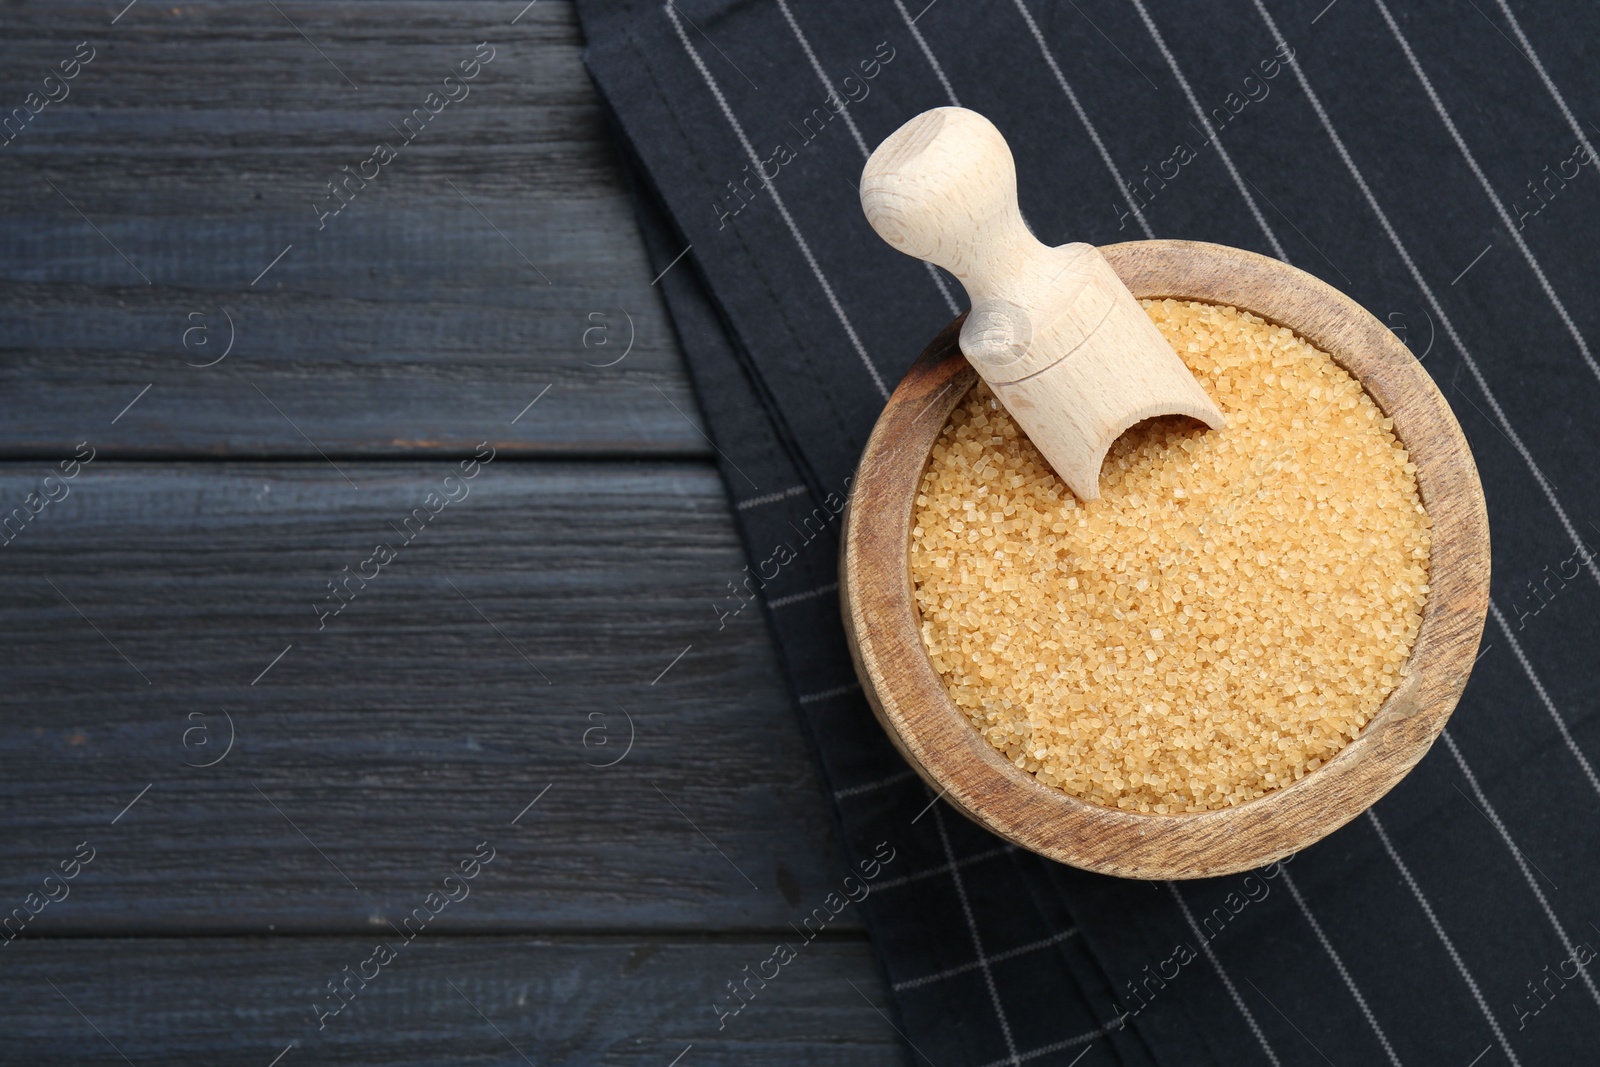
(909, 698)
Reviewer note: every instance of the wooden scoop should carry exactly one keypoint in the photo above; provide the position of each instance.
(1058, 337)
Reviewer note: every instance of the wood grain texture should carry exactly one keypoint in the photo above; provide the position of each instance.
(198, 140)
(412, 726)
(623, 1001)
(1053, 330)
(376, 753)
(914, 707)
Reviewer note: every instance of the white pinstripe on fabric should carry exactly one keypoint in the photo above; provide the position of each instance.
(1008, 954)
(1538, 65)
(861, 143)
(1344, 973)
(911, 24)
(809, 594)
(872, 787)
(1450, 947)
(972, 928)
(1057, 1046)
(770, 498)
(777, 200)
(816, 67)
(1083, 117)
(1433, 301)
(1494, 198)
(1227, 983)
(1544, 696)
(1522, 862)
(944, 868)
(828, 694)
(1216, 138)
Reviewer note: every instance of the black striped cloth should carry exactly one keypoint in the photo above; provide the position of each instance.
(1435, 162)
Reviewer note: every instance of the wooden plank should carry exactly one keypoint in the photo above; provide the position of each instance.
(441, 1000)
(494, 256)
(372, 754)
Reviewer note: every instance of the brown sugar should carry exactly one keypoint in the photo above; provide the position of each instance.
(1226, 618)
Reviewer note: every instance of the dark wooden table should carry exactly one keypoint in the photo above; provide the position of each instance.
(533, 670)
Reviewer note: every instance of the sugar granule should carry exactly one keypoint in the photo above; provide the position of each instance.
(1225, 619)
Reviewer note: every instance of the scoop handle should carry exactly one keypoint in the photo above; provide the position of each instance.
(1054, 331)
(943, 188)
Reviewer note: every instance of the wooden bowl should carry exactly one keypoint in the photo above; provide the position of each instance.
(936, 738)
